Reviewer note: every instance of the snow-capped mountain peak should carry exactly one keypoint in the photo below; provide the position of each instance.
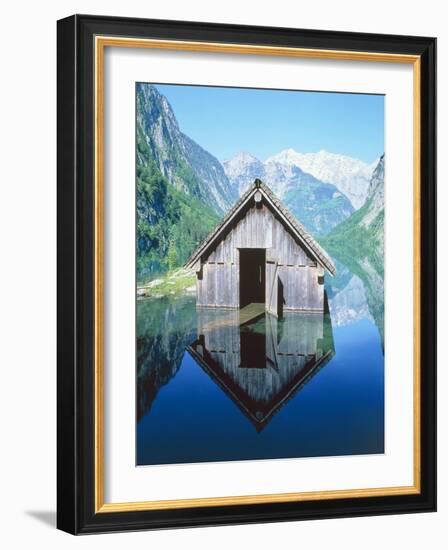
(320, 206)
(350, 175)
(241, 159)
(242, 156)
(242, 169)
(288, 157)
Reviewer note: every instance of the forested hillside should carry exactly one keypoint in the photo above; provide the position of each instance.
(170, 223)
(181, 189)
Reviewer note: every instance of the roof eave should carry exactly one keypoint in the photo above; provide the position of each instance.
(219, 227)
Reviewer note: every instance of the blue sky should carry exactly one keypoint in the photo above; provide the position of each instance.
(264, 122)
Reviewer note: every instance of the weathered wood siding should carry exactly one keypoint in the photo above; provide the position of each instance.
(286, 261)
(290, 346)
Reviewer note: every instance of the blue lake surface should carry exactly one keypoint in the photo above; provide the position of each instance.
(303, 386)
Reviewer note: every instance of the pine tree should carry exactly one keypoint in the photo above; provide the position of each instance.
(172, 255)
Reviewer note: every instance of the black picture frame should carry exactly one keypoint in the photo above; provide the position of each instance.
(76, 512)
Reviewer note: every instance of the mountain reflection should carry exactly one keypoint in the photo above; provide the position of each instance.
(165, 326)
(262, 364)
(357, 292)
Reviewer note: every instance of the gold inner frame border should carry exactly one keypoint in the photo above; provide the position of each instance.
(101, 42)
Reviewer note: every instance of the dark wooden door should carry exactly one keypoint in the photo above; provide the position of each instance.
(252, 276)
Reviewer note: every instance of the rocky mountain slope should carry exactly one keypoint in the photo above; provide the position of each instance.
(242, 170)
(182, 190)
(184, 163)
(319, 206)
(363, 232)
(351, 176)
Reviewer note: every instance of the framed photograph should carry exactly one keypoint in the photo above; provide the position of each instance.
(246, 274)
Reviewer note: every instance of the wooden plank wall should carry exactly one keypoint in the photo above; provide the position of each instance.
(302, 290)
(218, 283)
(291, 344)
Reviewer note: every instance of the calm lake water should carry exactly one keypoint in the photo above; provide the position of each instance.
(302, 386)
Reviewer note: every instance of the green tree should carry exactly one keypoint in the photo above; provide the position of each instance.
(172, 255)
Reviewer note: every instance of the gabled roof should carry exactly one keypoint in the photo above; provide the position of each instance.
(294, 226)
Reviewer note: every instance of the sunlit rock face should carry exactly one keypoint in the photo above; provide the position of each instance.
(318, 205)
(351, 176)
(185, 164)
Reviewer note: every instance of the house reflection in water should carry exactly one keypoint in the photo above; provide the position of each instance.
(262, 363)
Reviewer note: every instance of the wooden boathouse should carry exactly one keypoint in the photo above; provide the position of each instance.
(260, 254)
